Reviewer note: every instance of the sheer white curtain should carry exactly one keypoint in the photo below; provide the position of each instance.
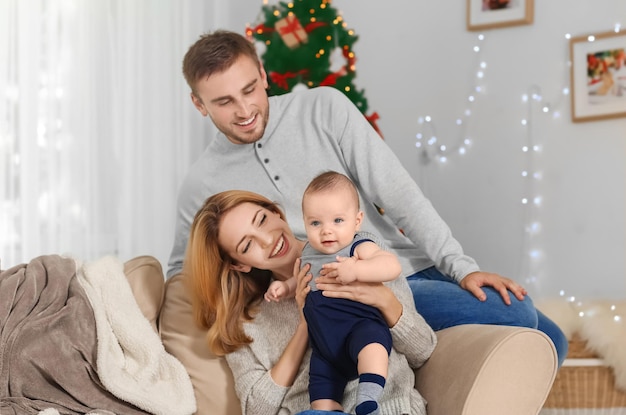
(96, 127)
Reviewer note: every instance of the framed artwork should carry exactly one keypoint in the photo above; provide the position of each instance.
(492, 14)
(598, 76)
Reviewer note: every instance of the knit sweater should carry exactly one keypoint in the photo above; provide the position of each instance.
(309, 132)
(273, 327)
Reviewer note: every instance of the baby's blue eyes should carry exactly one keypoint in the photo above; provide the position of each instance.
(318, 223)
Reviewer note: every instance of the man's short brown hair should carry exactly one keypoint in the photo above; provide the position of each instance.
(213, 53)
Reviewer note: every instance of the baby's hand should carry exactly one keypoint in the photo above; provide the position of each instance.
(342, 270)
(276, 291)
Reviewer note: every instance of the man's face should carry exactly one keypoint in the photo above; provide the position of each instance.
(236, 100)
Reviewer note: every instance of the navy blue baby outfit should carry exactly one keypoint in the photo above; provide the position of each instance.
(338, 330)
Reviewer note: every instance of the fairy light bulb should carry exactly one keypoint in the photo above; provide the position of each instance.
(534, 227)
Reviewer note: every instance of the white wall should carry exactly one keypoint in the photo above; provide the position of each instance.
(415, 58)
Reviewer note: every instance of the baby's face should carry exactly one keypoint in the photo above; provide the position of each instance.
(331, 219)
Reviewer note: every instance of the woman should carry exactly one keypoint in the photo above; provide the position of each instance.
(239, 241)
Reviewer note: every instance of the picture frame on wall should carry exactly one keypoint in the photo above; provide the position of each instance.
(598, 76)
(492, 14)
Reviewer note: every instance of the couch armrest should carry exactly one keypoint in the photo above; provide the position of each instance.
(488, 370)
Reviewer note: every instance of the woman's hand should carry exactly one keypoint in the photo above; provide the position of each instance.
(302, 276)
(375, 294)
(286, 368)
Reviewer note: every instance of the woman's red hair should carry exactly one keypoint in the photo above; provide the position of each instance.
(222, 298)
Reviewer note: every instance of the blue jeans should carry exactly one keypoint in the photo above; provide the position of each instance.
(443, 303)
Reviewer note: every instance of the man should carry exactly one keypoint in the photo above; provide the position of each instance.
(275, 146)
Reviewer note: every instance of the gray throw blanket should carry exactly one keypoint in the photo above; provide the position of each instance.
(62, 337)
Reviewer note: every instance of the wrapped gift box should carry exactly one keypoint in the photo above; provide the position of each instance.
(291, 31)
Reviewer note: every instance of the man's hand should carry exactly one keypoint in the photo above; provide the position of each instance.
(474, 281)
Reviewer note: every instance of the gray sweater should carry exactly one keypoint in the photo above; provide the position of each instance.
(309, 132)
(273, 327)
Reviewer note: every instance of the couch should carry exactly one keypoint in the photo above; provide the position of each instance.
(474, 370)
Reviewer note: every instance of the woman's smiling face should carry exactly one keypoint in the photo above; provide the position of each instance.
(257, 237)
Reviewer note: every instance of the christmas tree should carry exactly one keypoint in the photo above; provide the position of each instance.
(307, 43)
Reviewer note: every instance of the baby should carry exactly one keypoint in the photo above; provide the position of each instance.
(348, 339)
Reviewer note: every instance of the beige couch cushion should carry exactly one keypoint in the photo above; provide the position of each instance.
(145, 276)
(212, 379)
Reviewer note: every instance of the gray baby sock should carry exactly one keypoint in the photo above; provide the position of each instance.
(369, 391)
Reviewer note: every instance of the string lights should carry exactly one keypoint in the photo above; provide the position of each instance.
(532, 174)
(427, 140)
(431, 148)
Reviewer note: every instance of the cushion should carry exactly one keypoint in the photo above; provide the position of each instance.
(145, 276)
(212, 379)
